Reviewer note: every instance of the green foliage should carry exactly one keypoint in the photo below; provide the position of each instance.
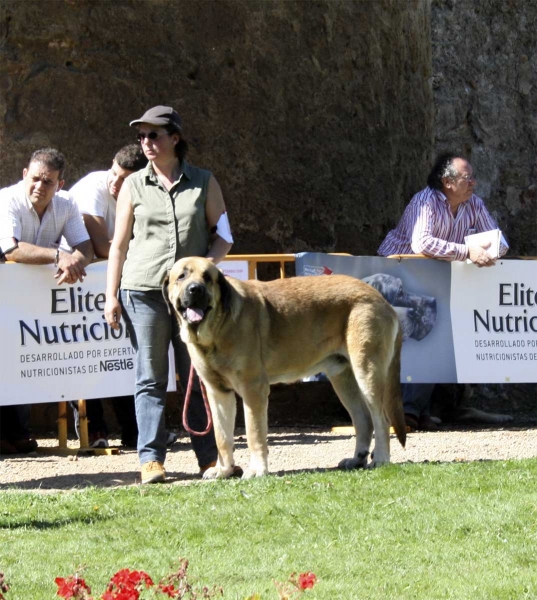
(444, 530)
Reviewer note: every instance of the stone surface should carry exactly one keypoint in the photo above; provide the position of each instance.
(485, 95)
(316, 117)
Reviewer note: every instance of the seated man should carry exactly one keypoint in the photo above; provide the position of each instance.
(34, 214)
(96, 195)
(435, 223)
(438, 218)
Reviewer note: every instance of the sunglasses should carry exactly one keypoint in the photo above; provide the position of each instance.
(152, 135)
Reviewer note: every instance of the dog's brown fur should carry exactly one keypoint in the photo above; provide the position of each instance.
(251, 334)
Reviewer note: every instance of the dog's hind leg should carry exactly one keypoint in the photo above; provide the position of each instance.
(372, 388)
(351, 397)
(370, 365)
(375, 364)
(223, 410)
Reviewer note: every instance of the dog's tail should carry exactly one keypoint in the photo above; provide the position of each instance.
(393, 401)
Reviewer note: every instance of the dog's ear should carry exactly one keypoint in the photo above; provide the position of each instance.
(225, 292)
(165, 283)
(231, 301)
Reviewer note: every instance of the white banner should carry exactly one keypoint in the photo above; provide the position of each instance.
(462, 324)
(55, 344)
(494, 320)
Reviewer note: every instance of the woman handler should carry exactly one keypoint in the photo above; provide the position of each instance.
(165, 212)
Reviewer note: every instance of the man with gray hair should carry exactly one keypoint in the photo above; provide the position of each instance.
(435, 223)
(438, 218)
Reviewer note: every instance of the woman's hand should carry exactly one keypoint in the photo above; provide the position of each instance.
(112, 311)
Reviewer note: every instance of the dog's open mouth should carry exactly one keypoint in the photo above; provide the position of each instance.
(193, 315)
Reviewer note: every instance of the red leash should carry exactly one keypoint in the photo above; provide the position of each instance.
(187, 403)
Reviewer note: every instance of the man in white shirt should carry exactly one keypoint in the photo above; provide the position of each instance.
(96, 195)
(34, 214)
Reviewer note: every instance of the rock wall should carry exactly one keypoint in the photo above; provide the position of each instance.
(485, 96)
(316, 117)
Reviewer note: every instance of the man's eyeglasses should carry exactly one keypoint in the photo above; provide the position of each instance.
(152, 135)
(468, 178)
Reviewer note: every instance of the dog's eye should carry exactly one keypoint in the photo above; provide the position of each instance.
(183, 275)
(207, 277)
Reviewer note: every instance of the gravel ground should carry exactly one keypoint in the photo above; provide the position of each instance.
(291, 450)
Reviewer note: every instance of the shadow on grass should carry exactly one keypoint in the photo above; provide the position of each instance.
(73, 482)
(42, 524)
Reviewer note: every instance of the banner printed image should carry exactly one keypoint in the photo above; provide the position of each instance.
(417, 313)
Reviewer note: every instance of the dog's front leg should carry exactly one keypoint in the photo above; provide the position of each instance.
(223, 409)
(255, 400)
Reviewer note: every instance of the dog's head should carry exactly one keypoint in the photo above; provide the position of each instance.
(417, 314)
(199, 295)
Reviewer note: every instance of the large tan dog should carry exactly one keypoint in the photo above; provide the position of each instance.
(243, 336)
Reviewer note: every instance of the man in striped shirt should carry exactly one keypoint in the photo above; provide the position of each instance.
(435, 223)
(439, 217)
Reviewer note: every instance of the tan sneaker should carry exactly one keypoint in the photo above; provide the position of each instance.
(153, 472)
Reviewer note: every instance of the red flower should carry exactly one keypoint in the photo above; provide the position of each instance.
(128, 578)
(306, 580)
(71, 587)
(126, 585)
(123, 594)
(169, 590)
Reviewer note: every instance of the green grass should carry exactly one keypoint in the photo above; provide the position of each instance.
(454, 530)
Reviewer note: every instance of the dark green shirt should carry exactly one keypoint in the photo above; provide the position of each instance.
(167, 225)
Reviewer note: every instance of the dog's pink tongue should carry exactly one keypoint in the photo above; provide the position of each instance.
(194, 315)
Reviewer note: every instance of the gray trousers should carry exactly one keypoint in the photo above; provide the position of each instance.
(417, 398)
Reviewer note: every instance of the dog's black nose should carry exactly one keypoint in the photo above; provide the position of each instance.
(195, 290)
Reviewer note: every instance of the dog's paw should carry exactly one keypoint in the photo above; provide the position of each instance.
(218, 473)
(377, 463)
(359, 462)
(251, 473)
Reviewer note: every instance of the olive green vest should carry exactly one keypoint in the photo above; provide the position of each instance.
(167, 225)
